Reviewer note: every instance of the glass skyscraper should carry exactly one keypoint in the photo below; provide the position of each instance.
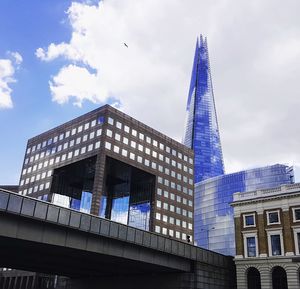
(213, 216)
(214, 221)
(201, 130)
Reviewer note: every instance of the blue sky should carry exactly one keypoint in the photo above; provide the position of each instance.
(25, 26)
(61, 58)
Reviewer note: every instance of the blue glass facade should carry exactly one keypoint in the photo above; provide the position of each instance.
(201, 129)
(214, 221)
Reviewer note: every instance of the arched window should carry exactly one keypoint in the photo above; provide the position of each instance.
(253, 278)
(279, 279)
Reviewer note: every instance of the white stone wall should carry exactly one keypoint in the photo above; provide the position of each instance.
(265, 267)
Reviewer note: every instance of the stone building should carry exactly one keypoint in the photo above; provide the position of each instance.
(267, 234)
(108, 164)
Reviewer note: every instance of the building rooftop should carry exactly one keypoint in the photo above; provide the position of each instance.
(265, 193)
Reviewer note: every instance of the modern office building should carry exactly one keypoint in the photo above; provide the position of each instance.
(109, 164)
(201, 129)
(267, 233)
(214, 222)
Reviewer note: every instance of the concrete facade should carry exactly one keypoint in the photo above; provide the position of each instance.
(267, 232)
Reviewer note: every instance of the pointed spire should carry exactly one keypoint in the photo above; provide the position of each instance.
(201, 130)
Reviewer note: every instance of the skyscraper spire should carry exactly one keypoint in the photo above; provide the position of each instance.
(201, 130)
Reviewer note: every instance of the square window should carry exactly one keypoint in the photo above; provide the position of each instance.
(132, 156)
(133, 144)
(126, 128)
(140, 147)
(116, 149)
(97, 145)
(108, 145)
(110, 120)
(273, 217)
(141, 136)
(93, 123)
(83, 150)
(296, 214)
(85, 137)
(109, 132)
(80, 128)
(119, 125)
(125, 140)
(90, 147)
(249, 220)
(86, 126)
(100, 120)
(124, 153)
(134, 132)
(117, 137)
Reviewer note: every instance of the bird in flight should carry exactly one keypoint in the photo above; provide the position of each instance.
(125, 44)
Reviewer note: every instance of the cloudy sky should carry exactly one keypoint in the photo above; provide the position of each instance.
(62, 58)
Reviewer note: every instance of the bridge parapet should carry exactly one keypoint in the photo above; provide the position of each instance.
(42, 211)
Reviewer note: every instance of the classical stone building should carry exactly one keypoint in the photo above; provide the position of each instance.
(267, 234)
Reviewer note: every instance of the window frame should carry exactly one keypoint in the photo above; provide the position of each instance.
(272, 233)
(295, 232)
(244, 220)
(294, 215)
(250, 235)
(268, 218)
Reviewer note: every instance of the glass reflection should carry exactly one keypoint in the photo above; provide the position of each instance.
(127, 195)
(213, 217)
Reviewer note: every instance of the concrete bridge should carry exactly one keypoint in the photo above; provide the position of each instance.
(97, 253)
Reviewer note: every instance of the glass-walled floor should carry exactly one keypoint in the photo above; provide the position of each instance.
(72, 185)
(127, 195)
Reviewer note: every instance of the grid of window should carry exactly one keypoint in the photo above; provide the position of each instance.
(172, 167)
(41, 157)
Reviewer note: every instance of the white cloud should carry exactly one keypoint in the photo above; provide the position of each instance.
(68, 83)
(255, 61)
(7, 71)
